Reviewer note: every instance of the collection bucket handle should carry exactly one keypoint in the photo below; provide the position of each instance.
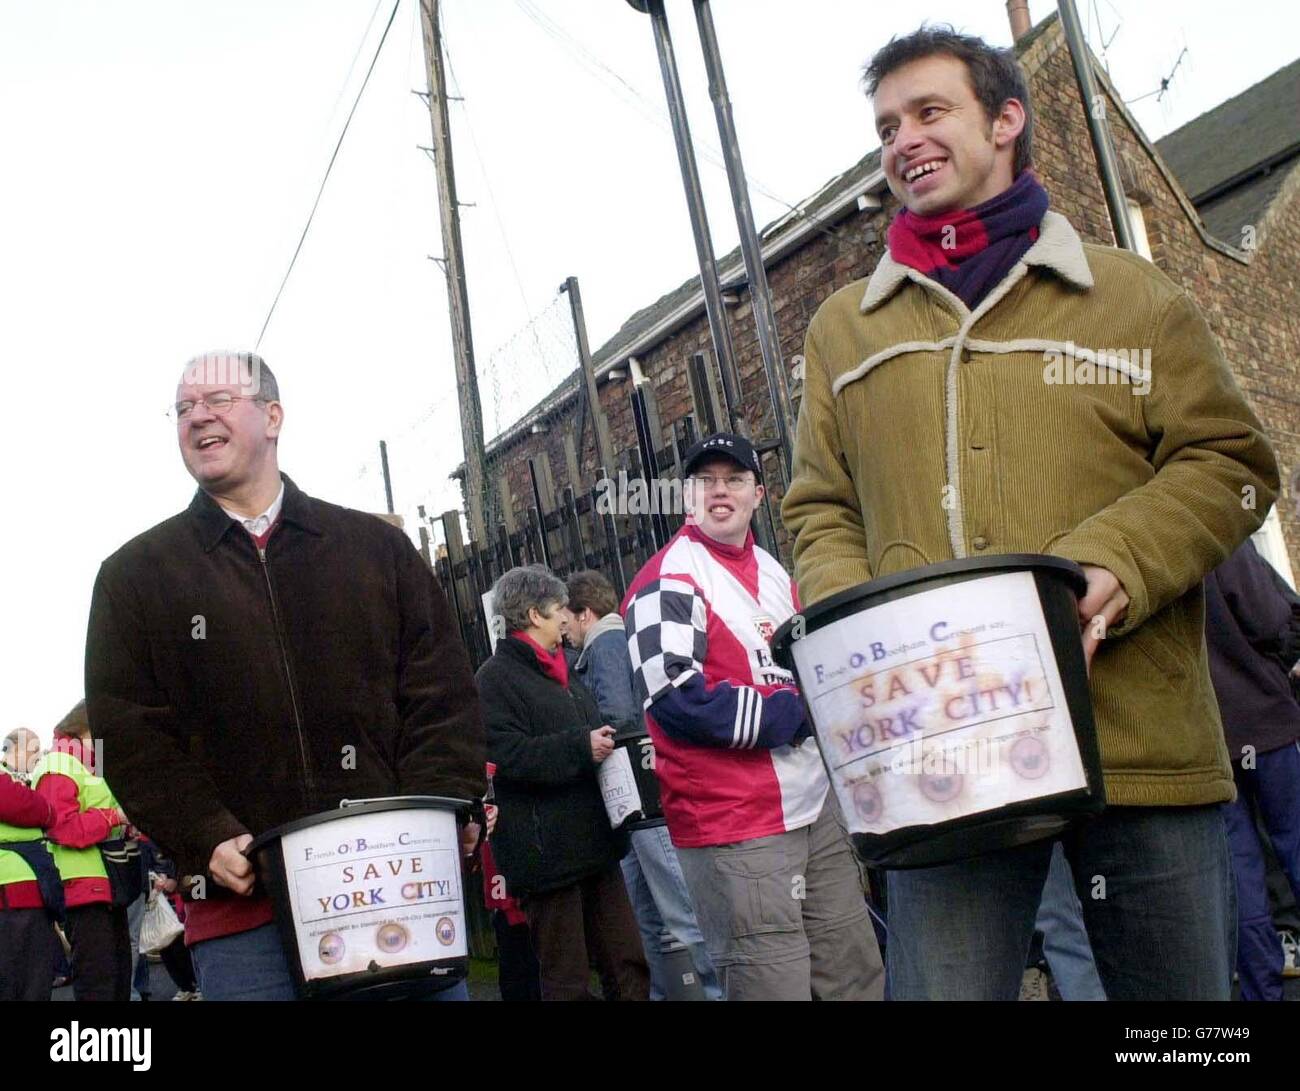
(345, 803)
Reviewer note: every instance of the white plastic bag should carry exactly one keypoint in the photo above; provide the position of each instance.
(160, 926)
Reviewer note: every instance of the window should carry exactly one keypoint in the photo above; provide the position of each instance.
(1138, 225)
(1272, 546)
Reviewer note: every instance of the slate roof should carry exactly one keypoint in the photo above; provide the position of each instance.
(1232, 160)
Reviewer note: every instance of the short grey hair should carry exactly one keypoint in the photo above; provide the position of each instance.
(531, 586)
(226, 367)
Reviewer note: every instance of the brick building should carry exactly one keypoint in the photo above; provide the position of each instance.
(1229, 232)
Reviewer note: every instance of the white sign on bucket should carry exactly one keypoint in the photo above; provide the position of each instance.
(379, 889)
(618, 786)
(939, 705)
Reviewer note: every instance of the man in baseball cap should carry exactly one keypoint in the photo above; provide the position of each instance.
(759, 837)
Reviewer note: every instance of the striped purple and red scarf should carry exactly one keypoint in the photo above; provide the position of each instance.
(971, 250)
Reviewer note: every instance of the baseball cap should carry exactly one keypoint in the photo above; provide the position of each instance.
(724, 445)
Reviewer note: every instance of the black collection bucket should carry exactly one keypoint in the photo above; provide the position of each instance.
(951, 706)
(628, 783)
(368, 898)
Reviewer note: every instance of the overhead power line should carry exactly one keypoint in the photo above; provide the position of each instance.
(356, 56)
(329, 167)
(643, 105)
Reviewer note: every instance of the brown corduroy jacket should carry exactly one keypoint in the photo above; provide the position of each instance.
(235, 693)
(1082, 409)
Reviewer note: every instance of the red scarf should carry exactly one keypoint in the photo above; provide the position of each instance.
(553, 664)
(970, 250)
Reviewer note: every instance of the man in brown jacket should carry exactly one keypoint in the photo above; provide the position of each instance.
(260, 657)
(947, 413)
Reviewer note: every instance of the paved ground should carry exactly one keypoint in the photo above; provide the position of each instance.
(482, 984)
(160, 983)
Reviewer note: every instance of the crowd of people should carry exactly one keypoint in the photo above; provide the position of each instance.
(264, 654)
(77, 880)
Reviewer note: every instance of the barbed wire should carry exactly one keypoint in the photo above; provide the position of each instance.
(329, 168)
(530, 364)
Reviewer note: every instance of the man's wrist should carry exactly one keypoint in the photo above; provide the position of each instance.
(216, 833)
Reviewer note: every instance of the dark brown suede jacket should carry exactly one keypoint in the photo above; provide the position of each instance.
(235, 692)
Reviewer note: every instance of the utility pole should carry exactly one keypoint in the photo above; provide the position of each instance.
(388, 481)
(478, 487)
(1094, 105)
(425, 551)
(764, 315)
(718, 328)
(604, 451)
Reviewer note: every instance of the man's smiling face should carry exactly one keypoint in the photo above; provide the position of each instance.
(939, 151)
(723, 497)
(225, 451)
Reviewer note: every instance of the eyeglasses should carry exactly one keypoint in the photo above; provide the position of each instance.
(734, 482)
(219, 403)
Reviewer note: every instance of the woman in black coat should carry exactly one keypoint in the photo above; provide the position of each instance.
(553, 841)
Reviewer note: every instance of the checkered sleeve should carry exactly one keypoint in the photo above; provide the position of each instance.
(667, 634)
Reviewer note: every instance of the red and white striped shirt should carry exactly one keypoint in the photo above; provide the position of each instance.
(734, 756)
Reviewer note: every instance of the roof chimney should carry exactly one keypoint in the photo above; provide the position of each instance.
(1018, 14)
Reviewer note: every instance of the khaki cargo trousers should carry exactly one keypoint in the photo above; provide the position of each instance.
(784, 917)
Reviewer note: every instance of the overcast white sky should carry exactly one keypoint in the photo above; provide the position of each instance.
(161, 157)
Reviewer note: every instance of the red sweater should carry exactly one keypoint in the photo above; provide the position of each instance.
(20, 806)
(508, 905)
(216, 917)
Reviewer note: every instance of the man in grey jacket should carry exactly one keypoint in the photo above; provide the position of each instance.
(654, 879)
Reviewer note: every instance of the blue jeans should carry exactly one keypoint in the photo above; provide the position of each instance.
(1274, 786)
(1158, 900)
(140, 976)
(662, 903)
(251, 966)
(1065, 939)
(648, 921)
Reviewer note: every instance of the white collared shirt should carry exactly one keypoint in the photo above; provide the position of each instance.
(259, 526)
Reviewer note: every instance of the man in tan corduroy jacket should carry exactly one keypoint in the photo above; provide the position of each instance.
(947, 413)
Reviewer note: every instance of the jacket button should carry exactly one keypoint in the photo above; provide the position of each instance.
(965, 356)
(980, 542)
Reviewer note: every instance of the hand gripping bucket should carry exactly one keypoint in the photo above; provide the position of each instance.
(368, 898)
(951, 706)
(628, 783)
